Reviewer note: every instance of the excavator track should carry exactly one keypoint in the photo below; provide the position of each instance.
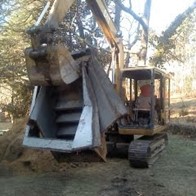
(145, 151)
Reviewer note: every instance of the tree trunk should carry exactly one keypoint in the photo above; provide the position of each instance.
(144, 35)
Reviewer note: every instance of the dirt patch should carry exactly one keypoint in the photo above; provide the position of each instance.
(183, 110)
(183, 117)
(24, 161)
(11, 141)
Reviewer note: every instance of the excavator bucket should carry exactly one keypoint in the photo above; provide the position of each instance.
(71, 113)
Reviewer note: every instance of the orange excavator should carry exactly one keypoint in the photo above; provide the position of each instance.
(76, 108)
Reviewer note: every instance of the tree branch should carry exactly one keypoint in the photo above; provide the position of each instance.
(133, 14)
(171, 30)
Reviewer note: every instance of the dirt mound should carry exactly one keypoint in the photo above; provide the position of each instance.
(10, 142)
(20, 160)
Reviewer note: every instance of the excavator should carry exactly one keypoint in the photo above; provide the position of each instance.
(76, 108)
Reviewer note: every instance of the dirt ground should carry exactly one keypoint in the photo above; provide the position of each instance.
(173, 174)
(33, 172)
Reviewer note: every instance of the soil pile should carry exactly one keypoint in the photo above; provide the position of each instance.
(17, 159)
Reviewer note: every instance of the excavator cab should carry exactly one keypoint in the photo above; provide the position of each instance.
(146, 95)
(145, 91)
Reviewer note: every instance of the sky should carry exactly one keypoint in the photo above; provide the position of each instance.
(163, 12)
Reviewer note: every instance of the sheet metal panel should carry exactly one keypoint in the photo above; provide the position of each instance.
(48, 144)
(95, 115)
(110, 106)
(43, 114)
